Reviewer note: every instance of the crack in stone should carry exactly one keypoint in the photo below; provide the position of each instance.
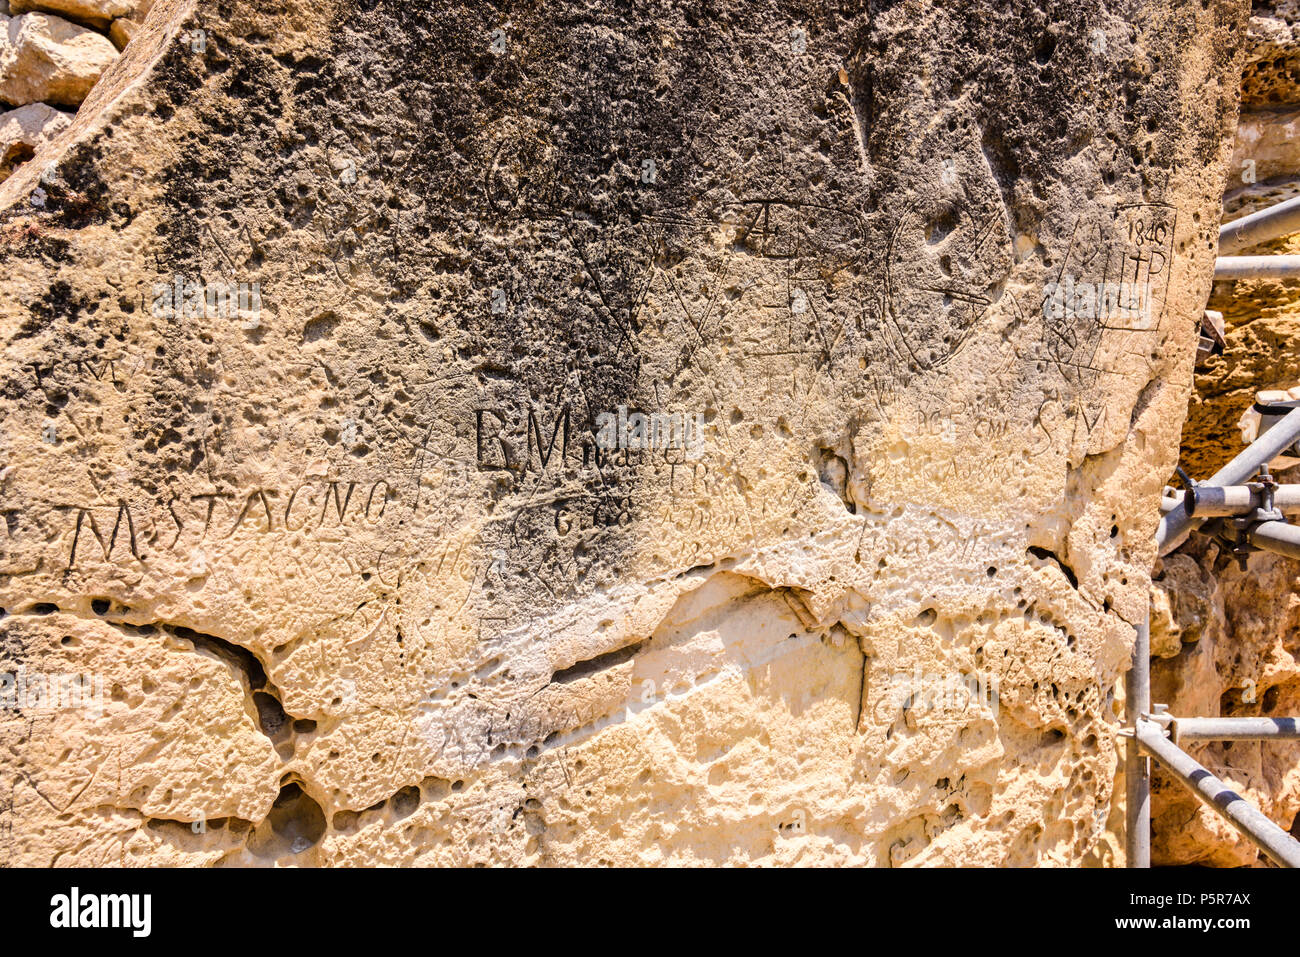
(273, 721)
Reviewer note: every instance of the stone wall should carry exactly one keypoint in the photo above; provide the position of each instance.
(334, 350)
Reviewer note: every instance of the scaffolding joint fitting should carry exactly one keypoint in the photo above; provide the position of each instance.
(1250, 521)
(1152, 721)
(1265, 487)
(1160, 715)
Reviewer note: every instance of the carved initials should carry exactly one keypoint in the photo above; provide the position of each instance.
(84, 513)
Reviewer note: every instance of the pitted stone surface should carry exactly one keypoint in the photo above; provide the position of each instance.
(341, 538)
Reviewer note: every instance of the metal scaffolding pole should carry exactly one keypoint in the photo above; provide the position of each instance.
(1276, 537)
(1256, 267)
(1219, 501)
(1177, 525)
(1234, 729)
(1137, 767)
(1280, 846)
(1272, 223)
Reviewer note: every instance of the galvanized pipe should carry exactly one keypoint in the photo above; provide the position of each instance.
(1256, 267)
(1177, 525)
(1218, 501)
(1259, 227)
(1280, 846)
(1234, 729)
(1276, 537)
(1137, 767)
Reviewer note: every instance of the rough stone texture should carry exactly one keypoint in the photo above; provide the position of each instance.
(1271, 76)
(122, 31)
(359, 583)
(1266, 144)
(96, 13)
(44, 58)
(24, 129)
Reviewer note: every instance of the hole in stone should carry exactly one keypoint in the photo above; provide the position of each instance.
(270, 715)
(1046, 47)
(405, 801)
(295, 824)
(941, 225)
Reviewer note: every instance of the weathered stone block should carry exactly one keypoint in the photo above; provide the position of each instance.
(307, 345)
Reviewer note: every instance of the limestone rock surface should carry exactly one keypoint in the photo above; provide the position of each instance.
(23, 129)
(1266, 144)
(121, 32)
(47, 59)
(1271, 75)
(97, 13)
(579, 434)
